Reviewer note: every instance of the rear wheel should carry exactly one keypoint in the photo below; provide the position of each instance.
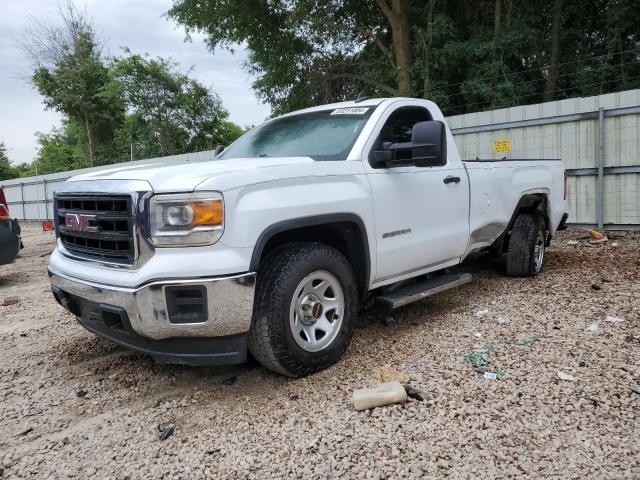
(306, 306)
(525, 253)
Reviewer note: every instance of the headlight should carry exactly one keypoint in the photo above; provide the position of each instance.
(187, 219)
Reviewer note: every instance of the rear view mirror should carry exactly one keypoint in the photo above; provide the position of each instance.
(218, 150)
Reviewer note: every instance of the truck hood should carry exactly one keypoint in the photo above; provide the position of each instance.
(221, 174)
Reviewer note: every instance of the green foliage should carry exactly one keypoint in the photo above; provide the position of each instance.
(113, 107)
(62, 149)
(167, 112)
(466, 55)
(6, 170)
(72, 79)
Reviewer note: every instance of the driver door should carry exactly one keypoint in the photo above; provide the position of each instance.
(421, 221)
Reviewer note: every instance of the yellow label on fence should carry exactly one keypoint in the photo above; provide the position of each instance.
(502, 146)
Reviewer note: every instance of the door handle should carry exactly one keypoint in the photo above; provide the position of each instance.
(451, 179)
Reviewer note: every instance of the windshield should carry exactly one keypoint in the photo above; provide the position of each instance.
(324, 135)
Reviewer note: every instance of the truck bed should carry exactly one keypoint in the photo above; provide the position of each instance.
(496, 186)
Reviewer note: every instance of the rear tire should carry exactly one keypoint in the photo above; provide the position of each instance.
(525, 252)
(305, 307)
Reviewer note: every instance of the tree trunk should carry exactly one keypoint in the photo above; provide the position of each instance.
(426, 93)
(398, 17)
(90, 141)
(556, 24)
(498, 17)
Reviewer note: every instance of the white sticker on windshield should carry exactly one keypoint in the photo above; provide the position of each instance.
(350, 111)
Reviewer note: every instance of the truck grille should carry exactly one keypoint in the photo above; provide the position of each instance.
(96, 227)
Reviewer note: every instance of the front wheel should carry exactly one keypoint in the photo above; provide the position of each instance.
(525, 253)
(305, 308)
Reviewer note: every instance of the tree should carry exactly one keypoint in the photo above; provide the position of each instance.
(62, 149)
(6, 170)
(556, 24)
(70, 74)
(167, 112)
(468, 55)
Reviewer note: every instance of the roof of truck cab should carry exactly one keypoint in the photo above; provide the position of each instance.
(370, 102)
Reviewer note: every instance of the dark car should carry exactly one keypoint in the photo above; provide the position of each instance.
(9, 233)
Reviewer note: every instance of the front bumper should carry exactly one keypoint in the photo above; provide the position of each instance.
(144, 318)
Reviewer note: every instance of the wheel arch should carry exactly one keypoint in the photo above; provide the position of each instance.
(536, 202)
(344, 231)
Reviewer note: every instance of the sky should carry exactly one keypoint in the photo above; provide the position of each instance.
(137, 24)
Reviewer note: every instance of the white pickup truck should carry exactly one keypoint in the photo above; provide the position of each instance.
(273, 245)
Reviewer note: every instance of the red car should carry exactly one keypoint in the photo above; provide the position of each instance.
(10, 243)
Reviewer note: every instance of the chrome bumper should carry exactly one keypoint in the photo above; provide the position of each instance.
(229, 304)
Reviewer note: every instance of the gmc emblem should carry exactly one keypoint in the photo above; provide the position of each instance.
(79, 222)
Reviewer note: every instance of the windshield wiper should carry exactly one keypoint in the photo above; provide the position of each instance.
(262, 155)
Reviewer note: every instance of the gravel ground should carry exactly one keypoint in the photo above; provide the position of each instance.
(73, 405)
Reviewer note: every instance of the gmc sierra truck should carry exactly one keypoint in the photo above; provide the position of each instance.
(272, 246)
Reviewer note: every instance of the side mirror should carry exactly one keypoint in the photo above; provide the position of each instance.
(427, 148)
(218, 150)
(429, 144)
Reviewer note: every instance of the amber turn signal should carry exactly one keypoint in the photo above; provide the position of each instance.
(208, 213)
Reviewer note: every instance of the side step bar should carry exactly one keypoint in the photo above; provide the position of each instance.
(417, 291)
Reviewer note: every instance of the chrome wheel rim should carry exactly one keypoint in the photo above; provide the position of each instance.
(317, 310)
(538, 252)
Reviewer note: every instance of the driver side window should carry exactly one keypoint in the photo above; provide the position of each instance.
(398, 127)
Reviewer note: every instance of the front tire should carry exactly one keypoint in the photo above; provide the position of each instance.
(305, 307)
(525, 253)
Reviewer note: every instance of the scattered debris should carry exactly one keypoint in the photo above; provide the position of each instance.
(230, 380)
(566, 377)
(504, 321)
(211, 451)
(481, 313)
(606, 280)
(614, 244)
(595, 286)
(612, 319)
(81, 393)
(25, 432)
(378, 396)
(635, 390)
(386, 374)
(478, 358)
(597, 236)
(477, 335)
(390, 322)
(10, 301)
(413, 393)
(488, 374)
(592, 328)
(573, 242)
(48, 226)
(294, 397)
(167, 432)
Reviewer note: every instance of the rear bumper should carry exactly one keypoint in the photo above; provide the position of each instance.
(205, 328)
(9, 241)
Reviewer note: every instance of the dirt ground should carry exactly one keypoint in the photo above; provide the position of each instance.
(73, 405)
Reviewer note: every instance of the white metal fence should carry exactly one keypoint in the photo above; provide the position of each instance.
(597, 137)
(31, 198)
